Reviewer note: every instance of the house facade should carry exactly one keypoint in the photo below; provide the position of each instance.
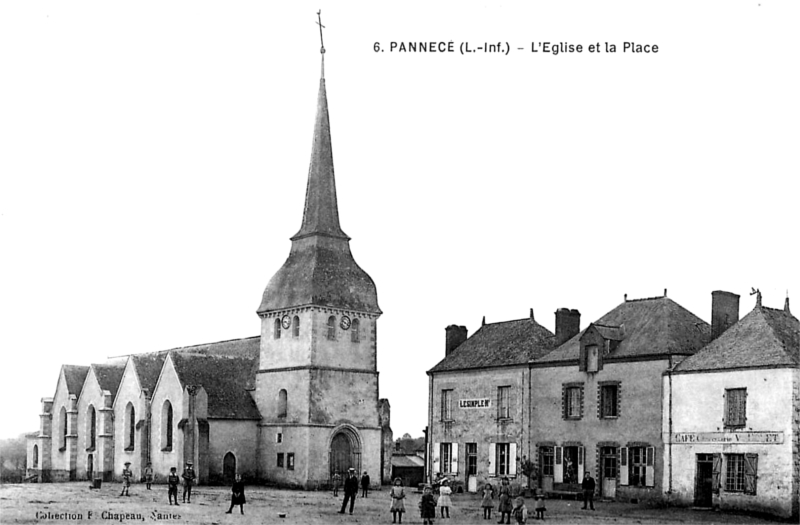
(730, 429)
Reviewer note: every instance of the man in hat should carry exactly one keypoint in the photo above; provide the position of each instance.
(172, 485)
(188, 480)
(365, 485)
(350, 490)
(126, 479)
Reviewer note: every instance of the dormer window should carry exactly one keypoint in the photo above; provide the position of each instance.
(592, 358)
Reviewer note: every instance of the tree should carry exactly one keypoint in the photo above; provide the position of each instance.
(530, 470)
(13, 459)
(409, 445)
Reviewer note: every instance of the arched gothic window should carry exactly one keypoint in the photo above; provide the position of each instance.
(36, 456)
(296, 327)
(332, 328)
(277, 328)
(130, 427)
(91, 427)
(166, 426)
(354, 335)
(63, 420)
(282, 403)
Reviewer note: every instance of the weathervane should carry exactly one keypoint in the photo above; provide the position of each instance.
(757, 293)
(322, 44)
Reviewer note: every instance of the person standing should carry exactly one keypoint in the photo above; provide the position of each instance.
(364, 485)
(172, 485)
(427, 506)
(188, 480)
(148, 474)
(588, 490)
(444, 502)
(350, 490)
(520, 511)
(539, 505)
(504, 507)
(337, 481)
(486, 502)
(237, 494)
(126, 480)
(398, 495)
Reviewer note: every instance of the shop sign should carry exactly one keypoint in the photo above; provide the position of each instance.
(475, 403)
(690, 438)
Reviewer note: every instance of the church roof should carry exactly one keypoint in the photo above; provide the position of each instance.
(74, 376)
(643, 327)
(225, 380)
(320, 269)
(148, 368)
(499, 344)
(765, 337)
(109, 376)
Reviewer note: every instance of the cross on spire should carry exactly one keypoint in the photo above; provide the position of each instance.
(322, 44)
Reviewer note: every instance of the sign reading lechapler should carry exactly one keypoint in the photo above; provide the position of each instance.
(475, 403)
(690, 438)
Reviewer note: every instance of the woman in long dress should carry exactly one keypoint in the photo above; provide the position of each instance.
(504, 508)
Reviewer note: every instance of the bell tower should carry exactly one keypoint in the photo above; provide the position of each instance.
(317, 384)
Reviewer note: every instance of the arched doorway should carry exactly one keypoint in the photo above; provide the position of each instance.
(229, 468)
(345, 452)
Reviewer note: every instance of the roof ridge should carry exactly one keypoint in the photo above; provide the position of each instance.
(646, 299)
(513, 321)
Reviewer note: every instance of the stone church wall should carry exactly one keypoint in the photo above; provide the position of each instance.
(239, 437)
(163, 458)
(129, 392)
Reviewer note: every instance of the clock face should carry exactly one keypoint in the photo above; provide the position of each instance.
(286, 322)
(345, 324)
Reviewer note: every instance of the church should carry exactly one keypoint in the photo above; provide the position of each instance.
(290, 407)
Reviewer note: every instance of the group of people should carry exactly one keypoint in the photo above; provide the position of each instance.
(507, 507)
(173, 481)
(351, 488)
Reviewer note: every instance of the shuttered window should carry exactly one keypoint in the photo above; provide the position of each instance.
(741, 473)
(735, 407)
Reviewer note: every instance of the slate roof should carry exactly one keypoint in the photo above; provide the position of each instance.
(648, 327)
(75, 376)
(765, 337)
(109, 376)
(148, 368)
(499, 344)
(225, 379)
(320, 269)
(407, 461)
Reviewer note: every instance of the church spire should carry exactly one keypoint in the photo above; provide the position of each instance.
(321, 213)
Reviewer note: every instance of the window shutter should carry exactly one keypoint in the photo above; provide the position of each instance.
(436, 451)
(512, 459)
(623, 466)
(650, 470)
(582, 359)
(492, 462)
(454, 460)
(558, 468)
(750, 473)
(716, 469)
(581, 451)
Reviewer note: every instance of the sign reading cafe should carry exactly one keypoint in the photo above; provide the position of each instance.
(475, 403)
(689, 438)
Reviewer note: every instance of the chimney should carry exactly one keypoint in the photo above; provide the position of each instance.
(724, 312)
(454, 336)
(568, 324)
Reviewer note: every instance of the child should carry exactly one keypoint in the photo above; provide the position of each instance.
(504, 508)
(427, 506)
(539, 505)
(444, 502)
(520, 512)
(237, 495)
(398, 495)
(337, 481)
(148, 475)
(126, 480)
(486, 502)
(172, 485)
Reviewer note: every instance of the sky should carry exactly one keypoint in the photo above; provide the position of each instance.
(153, 163)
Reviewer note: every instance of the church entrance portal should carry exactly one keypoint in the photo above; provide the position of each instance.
(228, 467)
(344, 454)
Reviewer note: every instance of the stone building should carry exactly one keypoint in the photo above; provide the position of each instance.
(479, 400)
(291, 406)
(596, 399)
(732, 416)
